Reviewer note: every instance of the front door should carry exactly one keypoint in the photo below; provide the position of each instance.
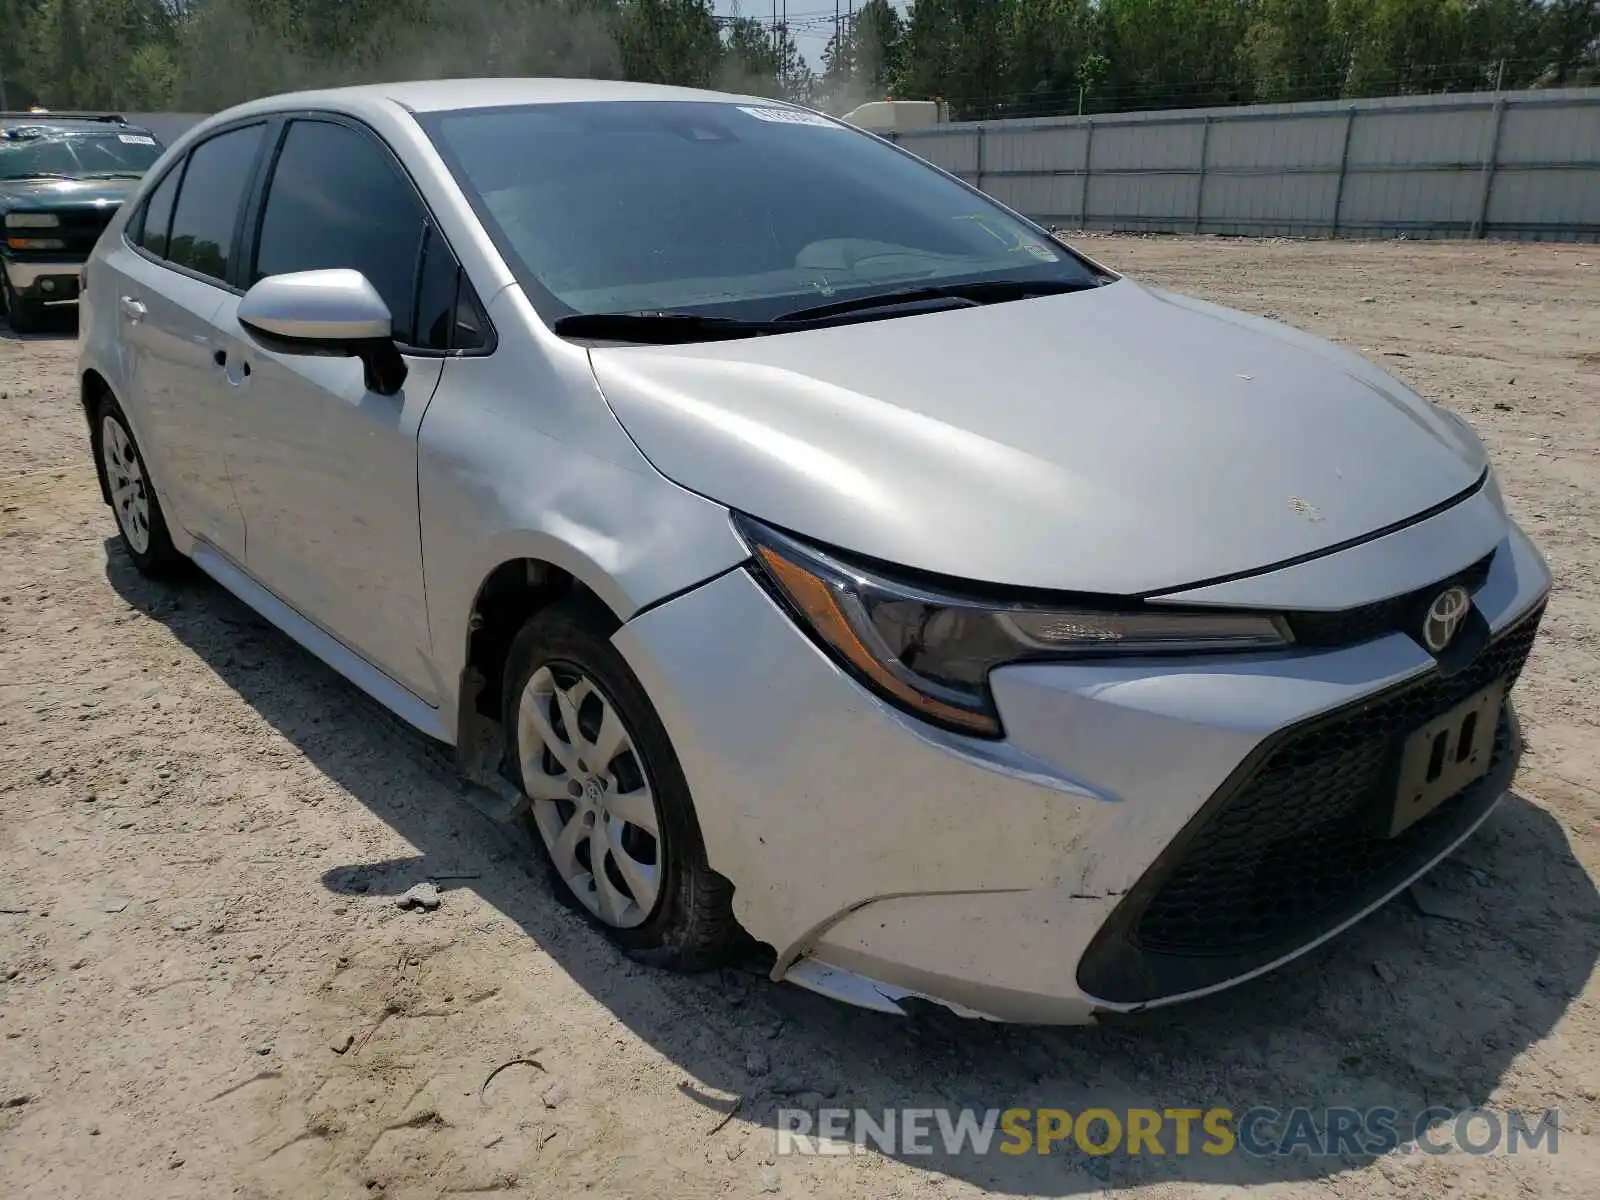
(325, 470)
(327, 477)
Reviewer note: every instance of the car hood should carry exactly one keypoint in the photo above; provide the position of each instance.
(56, 195)
(1121, 440)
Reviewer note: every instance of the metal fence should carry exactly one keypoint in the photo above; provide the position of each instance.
(1520, 165)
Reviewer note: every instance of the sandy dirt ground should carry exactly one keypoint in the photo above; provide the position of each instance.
(207, 990)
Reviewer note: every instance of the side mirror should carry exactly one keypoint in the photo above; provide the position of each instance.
(336, 314)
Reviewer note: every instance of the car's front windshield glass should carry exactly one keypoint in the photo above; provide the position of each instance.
(726, 209)
(33, 153)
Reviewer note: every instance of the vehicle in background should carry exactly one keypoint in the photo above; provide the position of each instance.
(62, 178)
(885, 117)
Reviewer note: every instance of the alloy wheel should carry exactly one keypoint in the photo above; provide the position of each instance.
(130, 497)
(592, 800)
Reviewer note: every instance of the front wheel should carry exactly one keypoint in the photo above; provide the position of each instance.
(607, 797)
(140, 521)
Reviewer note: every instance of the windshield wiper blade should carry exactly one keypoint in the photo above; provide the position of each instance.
(36, 175)
(659, 328)
(666, 328)
(983, 292)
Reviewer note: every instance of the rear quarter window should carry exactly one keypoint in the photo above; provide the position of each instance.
(155, 222)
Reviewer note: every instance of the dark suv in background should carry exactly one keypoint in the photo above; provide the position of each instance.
(62, 177)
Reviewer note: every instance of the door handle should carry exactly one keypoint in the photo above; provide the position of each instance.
(132, 309)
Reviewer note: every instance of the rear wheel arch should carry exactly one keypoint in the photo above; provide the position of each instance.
(134, 501)
(92, 390)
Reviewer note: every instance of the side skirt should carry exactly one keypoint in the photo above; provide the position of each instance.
(397, 699)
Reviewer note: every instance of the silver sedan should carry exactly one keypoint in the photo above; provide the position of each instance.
(813, 545)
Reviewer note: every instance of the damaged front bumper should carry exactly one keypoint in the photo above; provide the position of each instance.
(887, 861)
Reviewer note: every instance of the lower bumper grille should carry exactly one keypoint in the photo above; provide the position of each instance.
(1289, 848)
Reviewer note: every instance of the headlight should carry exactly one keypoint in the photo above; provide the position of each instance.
(931, 652)
(32, 220)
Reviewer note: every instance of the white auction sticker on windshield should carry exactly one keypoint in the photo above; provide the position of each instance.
(136, 139)
(787, 116)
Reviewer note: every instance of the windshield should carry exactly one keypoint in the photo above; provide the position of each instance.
(31, 153)
(723, 209)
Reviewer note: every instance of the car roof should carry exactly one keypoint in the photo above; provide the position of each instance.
(443, 95)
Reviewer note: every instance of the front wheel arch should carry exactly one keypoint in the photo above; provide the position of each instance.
(691, 926)
(507, 599)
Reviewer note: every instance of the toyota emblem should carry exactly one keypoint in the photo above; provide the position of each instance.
(1445, 614)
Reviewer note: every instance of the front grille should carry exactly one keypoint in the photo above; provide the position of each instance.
(1292, 848)
(1402, 614)
(81, 228)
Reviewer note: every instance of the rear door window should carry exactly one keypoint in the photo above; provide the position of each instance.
(207, 212)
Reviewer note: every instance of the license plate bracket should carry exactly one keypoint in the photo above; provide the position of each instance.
(1449, 753)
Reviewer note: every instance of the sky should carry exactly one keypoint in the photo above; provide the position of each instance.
(811, 21)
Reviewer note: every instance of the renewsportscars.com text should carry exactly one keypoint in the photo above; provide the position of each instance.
(1260, 1132)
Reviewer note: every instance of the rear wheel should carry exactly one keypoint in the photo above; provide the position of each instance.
(24, 316)
(140, 520)
(607, 797)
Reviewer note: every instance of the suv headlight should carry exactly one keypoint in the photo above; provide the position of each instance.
(930, 652)
(32, 220)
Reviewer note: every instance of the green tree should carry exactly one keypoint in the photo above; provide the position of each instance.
(1295, 51)
(749, 56)
(956, 50)
(1048, 43)
(989, 58)
(669, 41)
(19, 68)
(1174, 53)
(1572, 42)
(863, 60)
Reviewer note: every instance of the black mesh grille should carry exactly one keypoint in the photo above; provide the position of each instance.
(1294, 848)
(1399, 613)
(1297, 838)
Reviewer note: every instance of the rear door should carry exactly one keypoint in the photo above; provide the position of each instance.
(326, 471)
(172, 290)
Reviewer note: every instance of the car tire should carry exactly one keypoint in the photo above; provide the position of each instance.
(24, 316)
(141, 524)
(655, 895)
